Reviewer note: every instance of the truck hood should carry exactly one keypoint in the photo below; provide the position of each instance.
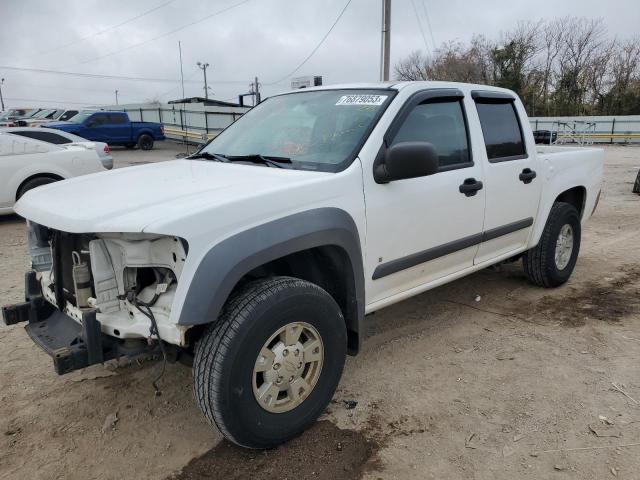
(65, 126)
(131, 199)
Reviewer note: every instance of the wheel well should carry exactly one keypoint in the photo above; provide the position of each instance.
(53, 176)
(328, 267)
(575, 196)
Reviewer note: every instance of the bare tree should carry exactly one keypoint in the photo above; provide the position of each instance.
(414, 67)
(565, 66)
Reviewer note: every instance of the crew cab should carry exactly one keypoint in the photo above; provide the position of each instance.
(261, 254)
(27, 163)
(113, 128)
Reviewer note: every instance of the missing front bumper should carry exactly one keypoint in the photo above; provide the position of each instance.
(70, 344)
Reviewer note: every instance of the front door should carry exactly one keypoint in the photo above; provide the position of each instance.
(425, 228)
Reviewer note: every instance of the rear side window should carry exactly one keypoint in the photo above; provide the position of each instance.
(501, 130)
(44, 137)
(443, 125)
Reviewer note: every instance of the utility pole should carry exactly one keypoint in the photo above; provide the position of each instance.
(386, 40)
(116, 97)
(1, 99)
(203, 67)
(256, 89)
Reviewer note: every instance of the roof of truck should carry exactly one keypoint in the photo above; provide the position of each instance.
(399, 85)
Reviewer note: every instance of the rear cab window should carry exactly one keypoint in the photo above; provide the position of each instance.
(501, 128)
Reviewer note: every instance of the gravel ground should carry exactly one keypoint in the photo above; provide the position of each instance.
(524, 383)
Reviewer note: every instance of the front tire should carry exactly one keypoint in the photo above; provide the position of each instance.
(269, 366)
(550, 263)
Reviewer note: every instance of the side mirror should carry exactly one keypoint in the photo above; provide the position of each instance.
(407, 160)
(90, 124)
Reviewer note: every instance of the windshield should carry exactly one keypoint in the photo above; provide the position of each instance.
(80, 117)
(317, 130)
(42, 114)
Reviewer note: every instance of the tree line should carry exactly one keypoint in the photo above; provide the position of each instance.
(564, 66)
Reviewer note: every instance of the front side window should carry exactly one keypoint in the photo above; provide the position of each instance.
(80, 117)
(99, 119)
(501, 131)
(441, 124)
(316, 130)
(117, 118)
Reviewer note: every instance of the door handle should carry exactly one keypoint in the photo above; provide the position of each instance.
(470, 187)
(527, 175)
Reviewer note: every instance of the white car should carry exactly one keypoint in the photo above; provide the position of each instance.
(26, 163)
(59, 137)
(46, 116)
(259, 256)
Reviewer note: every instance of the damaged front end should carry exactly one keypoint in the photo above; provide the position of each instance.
(95, 297)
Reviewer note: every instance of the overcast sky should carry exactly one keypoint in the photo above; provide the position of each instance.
(267, 38)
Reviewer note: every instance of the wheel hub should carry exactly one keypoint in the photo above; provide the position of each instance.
(564, 247)
(288, 367)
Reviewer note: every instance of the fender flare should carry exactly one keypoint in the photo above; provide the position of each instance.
(227, 262)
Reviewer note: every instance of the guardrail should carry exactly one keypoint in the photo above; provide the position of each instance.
(191, 122)
(591, 129)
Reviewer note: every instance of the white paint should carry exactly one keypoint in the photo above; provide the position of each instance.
(206, 202)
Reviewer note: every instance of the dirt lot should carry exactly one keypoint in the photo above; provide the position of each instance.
(519, 384)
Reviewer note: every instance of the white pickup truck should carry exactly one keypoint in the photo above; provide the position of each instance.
(261, 254)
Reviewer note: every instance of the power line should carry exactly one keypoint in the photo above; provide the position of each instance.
(59, 102)
(170, 32)
(426, 14)
(108, 77)
(104, 30)
(424, 38)
(315, 49)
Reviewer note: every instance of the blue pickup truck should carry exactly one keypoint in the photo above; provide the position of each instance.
(114, 128)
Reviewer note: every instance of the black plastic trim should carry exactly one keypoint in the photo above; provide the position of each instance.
(506, 229)
(227, 262)
(414, 259)
(491, 96)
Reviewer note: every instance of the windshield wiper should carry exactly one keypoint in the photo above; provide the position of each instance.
(258, 158)
(209, 156)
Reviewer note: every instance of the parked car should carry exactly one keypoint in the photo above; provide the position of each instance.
(59, 137)
(545, 136)
(10, 116)
(113, 128)
(46, 116)
(26, 163)
(262, 253)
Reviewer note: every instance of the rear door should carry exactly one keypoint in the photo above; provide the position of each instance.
(513, 185)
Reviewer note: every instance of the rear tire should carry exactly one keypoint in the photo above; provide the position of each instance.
(33, 183)
(145, 142)
(244, 381)
(550, 263)
(636, 185)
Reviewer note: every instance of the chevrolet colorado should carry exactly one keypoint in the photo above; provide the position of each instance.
(261, 254)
